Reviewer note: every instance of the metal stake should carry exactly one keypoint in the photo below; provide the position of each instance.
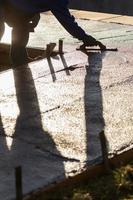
(60, 46)
(104, 151)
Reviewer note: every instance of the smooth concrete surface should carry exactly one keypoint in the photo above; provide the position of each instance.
(53, 110)
(121, 19)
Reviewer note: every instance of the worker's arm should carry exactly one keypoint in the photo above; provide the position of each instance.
(68, 22)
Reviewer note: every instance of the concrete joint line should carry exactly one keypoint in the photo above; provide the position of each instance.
(115, 17)
(59, 156)
(105, 38)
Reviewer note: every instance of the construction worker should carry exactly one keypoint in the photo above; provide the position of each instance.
(21, 12)
(22, 24)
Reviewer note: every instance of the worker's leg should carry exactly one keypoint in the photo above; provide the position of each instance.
(2, 25)
(22, 23)
(20, 37)
(2, 29)
(18, 51)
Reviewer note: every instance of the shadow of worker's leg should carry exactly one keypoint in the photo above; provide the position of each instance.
(35, 147)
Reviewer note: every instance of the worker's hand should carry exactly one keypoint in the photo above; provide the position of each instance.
(90, 41)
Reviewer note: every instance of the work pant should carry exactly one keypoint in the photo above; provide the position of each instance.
(2, 26)
(22, 24)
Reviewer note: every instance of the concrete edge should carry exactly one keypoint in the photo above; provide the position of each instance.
(89, 173)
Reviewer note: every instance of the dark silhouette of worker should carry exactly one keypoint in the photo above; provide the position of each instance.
(23, 15)
(22, 23)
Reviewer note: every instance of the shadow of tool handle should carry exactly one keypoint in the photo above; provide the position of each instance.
(87, 49)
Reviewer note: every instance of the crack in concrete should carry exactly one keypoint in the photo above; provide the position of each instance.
(47, 111)
(100, 20)
(38, 113)
(126, 82)
(106, 30)
(127, 40)
(44, 150)
(129, 31)
(105, 38)
(110, 18)
(64, 158)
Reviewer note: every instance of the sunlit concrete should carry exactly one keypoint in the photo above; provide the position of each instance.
(7, 35)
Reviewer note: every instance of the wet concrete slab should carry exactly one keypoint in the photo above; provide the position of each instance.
(52, 111)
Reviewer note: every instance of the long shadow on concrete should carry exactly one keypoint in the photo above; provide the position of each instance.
(93, 106)
(29, 123)
(32, 148)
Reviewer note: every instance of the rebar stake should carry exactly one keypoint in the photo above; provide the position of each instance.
(48, 50)
(104, 151)
(60, 46)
